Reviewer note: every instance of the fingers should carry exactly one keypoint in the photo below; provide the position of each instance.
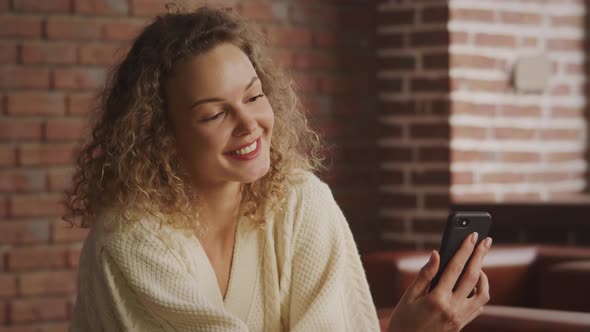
(471, 276)
(455, 266)
(422, 281)
(475, 305)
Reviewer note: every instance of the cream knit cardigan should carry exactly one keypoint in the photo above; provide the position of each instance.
(300, 272)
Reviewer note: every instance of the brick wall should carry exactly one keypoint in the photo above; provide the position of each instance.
(508, 145)
(54, 56)
(456, 132)
(413, 147)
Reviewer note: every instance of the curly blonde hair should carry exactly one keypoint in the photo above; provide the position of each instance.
(130, 160)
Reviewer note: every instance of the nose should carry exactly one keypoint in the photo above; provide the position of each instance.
(246, 122)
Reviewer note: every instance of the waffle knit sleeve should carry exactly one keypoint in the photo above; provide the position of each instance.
(151, 289)
(329, 290)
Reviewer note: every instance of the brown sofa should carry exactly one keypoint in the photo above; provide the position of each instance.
(532, 288)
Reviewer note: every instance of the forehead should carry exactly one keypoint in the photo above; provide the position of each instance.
(221, 70)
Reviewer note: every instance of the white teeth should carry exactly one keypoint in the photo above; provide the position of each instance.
(247, 149)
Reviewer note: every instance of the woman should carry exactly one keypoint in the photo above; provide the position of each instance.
(205, 215)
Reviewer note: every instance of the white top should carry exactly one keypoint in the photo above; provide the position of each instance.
(300, 272)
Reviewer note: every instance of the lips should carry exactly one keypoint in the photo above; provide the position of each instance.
(246, 152)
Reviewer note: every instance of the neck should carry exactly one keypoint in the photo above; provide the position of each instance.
(222, 207)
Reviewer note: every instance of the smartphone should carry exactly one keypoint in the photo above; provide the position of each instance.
(459, 226)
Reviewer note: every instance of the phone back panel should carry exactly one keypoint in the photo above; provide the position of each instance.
(454, 235)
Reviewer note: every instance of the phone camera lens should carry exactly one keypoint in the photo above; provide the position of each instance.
(463, 222)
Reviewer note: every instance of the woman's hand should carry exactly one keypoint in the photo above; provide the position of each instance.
(444, 309)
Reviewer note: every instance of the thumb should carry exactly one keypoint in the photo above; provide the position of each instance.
(424, 277)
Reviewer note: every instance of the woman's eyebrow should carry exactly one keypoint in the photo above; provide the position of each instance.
(217, 99)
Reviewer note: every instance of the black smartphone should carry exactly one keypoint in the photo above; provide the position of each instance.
(459, 226)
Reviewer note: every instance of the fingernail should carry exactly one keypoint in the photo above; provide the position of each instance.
(431, 259)
(473, 237)
(488, 242)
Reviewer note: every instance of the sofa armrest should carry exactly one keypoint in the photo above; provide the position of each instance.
(564, 286)
(515, 319)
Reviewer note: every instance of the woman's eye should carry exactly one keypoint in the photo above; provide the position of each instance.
(216, 116)
(253, 99)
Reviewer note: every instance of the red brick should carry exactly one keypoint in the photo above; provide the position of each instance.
(435, 61)
(435, 14)
(20, 26)
(38, 309)
(72, 28)
(80, 103)
(101, 7)
(429, 38)
(24, 77)
(349, 105)
(73, 257)
(48, 283)
(458, 37)
(54, 6)
(396, 154)
(562, 44)
(473, 198)
(316, 15)
(22, 180)
(7, 285)
(282, 57)
(513, 133)
(549, 176)
(564, 156)
(477, 15)
(48, 53)
(437, 201)
(335, 84)
(305, 83)
(430, 130)
(327, 39)
(519, 157)
(470, 155)
(101, 54)
(8, 52)
(290, 37)
(520, 18)
(397, 62)
(573, 134)
(7, 155)
(522, 197)
(517, 111)
(390, 85)
(59, 179)
(63, 232)
(20, 232)
(561, 90)
(395, 40)
(500, 177)
(79, 78)
(391, 177)
(64, 129)
(3, 305)
(147, 7)
(566, 112)
(460, 107)
(433, 154)
(37, 257)
(316, 60)
(469, 132)
(35, 205)
(121, 31)
(574, 21)
(260, 12)
(35, 103)
(18, 130)
(46, 154)
(398, 201)
(462, 178)
(474, 61)
(492, 40)
(396, 17)
(431, 177)
(529, 41)
(428, 84)
(479, 85)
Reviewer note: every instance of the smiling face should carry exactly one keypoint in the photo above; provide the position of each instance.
(222, 120)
